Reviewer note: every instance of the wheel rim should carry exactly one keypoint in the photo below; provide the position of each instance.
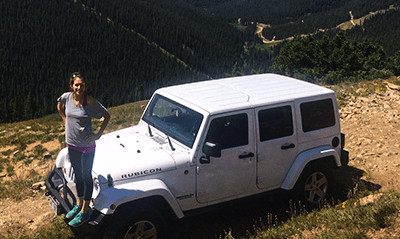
(142, 230)
(316, 187)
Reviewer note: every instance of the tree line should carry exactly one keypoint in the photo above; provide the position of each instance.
(334, 60)
(276, 12)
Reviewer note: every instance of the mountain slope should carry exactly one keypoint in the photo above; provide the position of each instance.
(285, 19)
(126, 48)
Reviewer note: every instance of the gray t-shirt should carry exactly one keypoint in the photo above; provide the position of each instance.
(79, 120)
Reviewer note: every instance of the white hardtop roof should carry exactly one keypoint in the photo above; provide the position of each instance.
(241, 92)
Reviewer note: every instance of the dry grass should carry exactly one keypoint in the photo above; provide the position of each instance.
(350, 219)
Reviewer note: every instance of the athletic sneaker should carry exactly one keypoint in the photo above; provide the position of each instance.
(71, 214)
(79, 219)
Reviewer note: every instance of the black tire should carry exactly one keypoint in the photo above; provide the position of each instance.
(314, 185)
(136, 223)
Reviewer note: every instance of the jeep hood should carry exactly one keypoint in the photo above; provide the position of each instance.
(128, 153)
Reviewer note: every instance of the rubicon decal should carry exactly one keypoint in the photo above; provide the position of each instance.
(141, 173)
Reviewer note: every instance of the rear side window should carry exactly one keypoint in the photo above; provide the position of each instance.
(317, 115)
(275, 123)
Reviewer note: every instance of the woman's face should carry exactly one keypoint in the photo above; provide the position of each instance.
(78, 87)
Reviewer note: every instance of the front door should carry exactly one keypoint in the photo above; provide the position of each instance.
(234, 172)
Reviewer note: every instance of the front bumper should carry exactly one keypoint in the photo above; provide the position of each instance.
(62, 198)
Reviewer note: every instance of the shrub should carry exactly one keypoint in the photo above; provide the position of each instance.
(38, 151)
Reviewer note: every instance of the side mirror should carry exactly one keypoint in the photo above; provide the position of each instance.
(212, 149)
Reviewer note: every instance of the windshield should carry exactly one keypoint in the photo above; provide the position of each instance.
(175, 120)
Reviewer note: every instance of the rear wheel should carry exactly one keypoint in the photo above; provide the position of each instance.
(314, 185)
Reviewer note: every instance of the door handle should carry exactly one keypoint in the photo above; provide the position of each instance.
(246, 155)
(204, 160)
(288, 146)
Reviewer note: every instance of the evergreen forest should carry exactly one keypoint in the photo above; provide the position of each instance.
(129, 48)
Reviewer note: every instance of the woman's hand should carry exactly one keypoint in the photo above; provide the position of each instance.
(93, 137)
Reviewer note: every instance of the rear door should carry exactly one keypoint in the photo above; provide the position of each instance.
(276, 143)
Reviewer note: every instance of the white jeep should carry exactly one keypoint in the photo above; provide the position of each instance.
(206, 143)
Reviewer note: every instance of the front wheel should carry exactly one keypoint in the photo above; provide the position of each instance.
(314, 185)
(136, 224)
(142, 229)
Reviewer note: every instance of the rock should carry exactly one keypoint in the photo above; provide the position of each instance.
(38, 185)
(370, 199)
(392, 86)
(2, 175)
(47, 156)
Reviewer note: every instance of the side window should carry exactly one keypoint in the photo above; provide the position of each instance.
(275, 123)
(229, 131)
(317, 115)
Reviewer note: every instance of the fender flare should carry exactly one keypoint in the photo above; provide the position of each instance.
(130, 192)
(303, 159)
(62, 160)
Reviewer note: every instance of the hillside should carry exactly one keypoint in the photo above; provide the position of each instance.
(374, 20)
(126, 48)
(369, 113)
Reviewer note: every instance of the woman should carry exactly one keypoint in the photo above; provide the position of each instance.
(77, 109)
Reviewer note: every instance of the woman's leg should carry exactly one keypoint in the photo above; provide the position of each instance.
(87, 165)
(86, 173)
(76, 162)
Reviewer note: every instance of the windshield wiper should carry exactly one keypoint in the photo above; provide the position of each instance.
(148, 126)
(170, 143)
(151, 134)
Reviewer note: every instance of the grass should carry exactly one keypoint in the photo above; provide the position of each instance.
(349, 219)
(124, 116)
(19, 189)
(348, 90)
(57, 229)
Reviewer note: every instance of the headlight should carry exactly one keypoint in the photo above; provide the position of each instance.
(96, 184)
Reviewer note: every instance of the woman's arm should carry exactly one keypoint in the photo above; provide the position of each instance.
(106, 117)
(61, 110)
(103, 126)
